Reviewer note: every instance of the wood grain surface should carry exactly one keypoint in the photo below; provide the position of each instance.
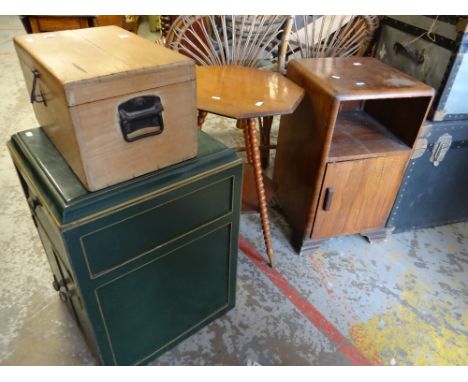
(85, 74)
(75, 55)
(357, 135)
(89, 61)
(364, 191)
(355, 78)
(57, 23)
(109, 159)
(55, 118)
(304, 139)
(241, 92)
(352, 134)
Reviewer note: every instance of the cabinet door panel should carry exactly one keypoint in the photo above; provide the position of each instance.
(147, 310)
(357, 195)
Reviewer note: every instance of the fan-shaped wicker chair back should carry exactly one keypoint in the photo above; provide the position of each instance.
(330, 36)
(252, 41)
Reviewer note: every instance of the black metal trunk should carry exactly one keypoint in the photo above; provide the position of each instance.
(432, 49)
(435, 187)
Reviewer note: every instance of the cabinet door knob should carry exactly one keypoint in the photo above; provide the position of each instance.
(328, 198)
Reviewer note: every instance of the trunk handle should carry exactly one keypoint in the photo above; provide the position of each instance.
(416, 56)
(34, 97)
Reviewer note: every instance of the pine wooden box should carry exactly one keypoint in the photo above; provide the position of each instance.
(114, 104)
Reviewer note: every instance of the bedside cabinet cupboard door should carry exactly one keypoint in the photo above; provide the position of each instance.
(357, 195)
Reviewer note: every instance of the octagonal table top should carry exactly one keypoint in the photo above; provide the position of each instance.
(241, 92)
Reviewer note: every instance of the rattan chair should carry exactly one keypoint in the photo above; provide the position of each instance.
(231, 40)
(330, 36)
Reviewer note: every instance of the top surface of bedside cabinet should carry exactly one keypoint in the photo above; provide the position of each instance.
(356, 78)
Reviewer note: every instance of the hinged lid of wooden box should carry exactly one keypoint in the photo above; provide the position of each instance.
(94, 63)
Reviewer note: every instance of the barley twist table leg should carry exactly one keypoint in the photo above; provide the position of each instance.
(260, 187)
(265, 132)
(201, 118)
(248, 143)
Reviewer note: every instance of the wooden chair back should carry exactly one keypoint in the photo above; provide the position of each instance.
(253, 41)
(330, 36)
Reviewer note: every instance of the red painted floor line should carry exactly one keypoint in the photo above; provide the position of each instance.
(349, 351)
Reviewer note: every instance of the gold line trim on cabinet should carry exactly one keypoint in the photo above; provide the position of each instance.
(140, 199)
(152, 261)
(211, 314)
(161, 191)
(93, 276)
(19, 163)
(91, 341)
(184, 333)
(98, 274)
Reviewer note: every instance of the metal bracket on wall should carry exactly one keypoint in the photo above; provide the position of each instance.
(440, 148)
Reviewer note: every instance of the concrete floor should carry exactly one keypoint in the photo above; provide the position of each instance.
(401, 302)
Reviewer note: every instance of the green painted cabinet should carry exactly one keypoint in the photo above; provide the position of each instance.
(142, 264)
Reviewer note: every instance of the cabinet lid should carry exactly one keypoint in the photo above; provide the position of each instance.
(117, 61)
(63, 195)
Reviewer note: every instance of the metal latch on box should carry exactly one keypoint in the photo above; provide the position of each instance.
(440, 148)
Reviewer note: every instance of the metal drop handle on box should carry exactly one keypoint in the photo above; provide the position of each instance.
(143, 112)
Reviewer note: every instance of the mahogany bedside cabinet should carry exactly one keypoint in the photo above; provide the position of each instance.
(341, 155)
(142, 264)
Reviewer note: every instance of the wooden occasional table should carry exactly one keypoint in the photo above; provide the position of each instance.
(246, 94)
